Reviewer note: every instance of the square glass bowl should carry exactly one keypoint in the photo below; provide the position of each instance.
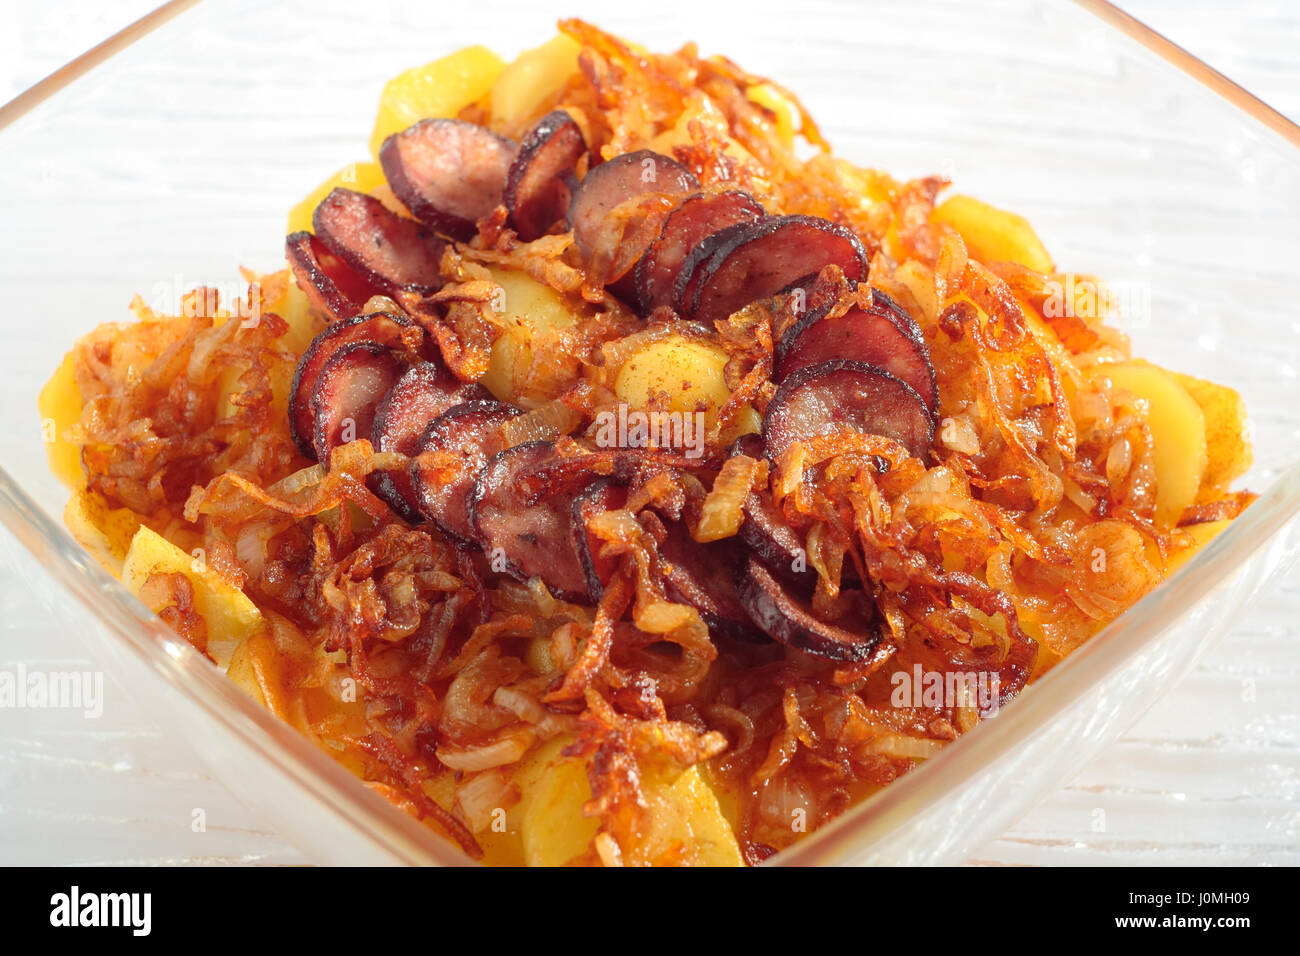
(177, 159)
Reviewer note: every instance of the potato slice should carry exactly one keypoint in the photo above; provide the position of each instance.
(359, 177)
(230, 615)
(688, 822)
(1227, 437)
(533, 76)
(439, 89)
(59, 405)
(1177, 433)
(992, 234)
(530, 314)
(103, 531)
(676, 374)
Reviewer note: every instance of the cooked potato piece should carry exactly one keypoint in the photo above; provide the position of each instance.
(359, 177)
(1177, 433)
(441, 88)
(59, 405)
(687, 817)
(103, 531)
(1226, 436)
(229, 614)
(532, 77)
(992, 234)
(530, 312)
(552, 827)
(676, 374)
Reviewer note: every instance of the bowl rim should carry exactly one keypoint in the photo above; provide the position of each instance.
(403, 840)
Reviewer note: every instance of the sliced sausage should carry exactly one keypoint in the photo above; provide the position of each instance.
(525, 538)
(448, 172)
(452, 452)
(391, 252)
(332, 287)
(703, 576)
(788, 618)
(421, 395)
(615, 182)
(883, 335)
(538, 183)
(348, 391)
(379, 328)
(697, 218)
(822, 399)
(752, 261)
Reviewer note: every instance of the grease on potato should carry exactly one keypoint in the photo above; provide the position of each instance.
(531, 315)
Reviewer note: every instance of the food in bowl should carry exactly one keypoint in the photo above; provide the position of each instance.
(616, 476)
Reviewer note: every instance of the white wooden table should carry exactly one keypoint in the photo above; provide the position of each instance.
(1210, 776)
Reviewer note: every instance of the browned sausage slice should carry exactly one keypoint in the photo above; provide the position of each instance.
(703, 576)
(448, 172)
(753, 261)
(391, 252)
(883, 335)
(822, 399)
(615, 182)
(453, 451)
(697, 218)
(538, 182)
(604, 494)
(421, 395)
(379, 328)
(789, 619)
(348, 391)
(331, 286)
(526, 538)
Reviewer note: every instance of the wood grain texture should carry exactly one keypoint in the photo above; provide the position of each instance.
(1210, 776)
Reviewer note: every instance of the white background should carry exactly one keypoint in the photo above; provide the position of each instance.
(1211, 775)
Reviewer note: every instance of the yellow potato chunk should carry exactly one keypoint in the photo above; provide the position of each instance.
(552, 827)
(1177, 433)
(687, 823)
(359, 177)
(1227, 438)
(103, 531)
(439, 89)
(230, 615)
(533, 76)
(770, 98)
(676, 374)
(530, 314)
(59, 405)
(1202, 534)
(992, 234)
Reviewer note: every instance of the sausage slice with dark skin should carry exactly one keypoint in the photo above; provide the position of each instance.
(697, 218)
(788, 618)
(332, 287)
(378, 328)
(753, 261)
(452, 453)
(448, 172)
(422, 394)
(393, 253)
(823, 399)
(883, 335)
(540, 178)
(525, 538)
(348, 391)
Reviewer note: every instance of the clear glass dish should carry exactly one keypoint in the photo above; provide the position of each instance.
(177, 159)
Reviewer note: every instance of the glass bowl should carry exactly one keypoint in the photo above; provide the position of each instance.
(177, 159)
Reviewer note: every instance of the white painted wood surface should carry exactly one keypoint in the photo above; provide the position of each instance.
(1211, 775)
